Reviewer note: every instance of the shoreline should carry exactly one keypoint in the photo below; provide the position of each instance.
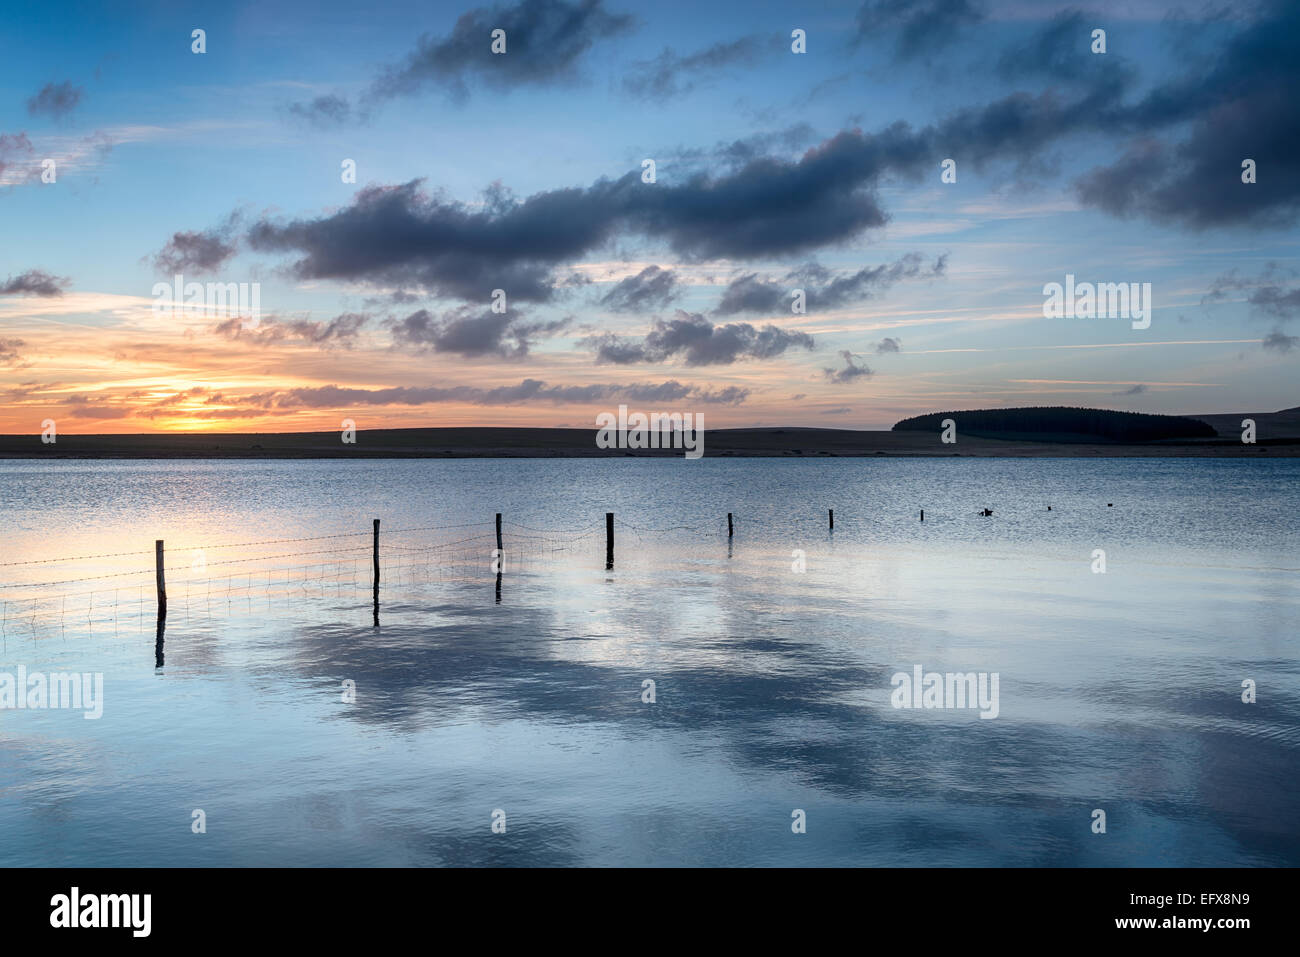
(506, 443)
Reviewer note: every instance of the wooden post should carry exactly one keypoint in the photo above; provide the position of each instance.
(159, 659)
(832, 519)
(728, 524)
(376, 554)
(923, 515)
(501, 558)
(609, 540)
(161, 577)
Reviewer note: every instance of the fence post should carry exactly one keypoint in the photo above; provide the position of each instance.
(161, 577)
(376, 555)
(501, 558)
(609, 540)
(832, 516)
(923, 515)
(728, 524)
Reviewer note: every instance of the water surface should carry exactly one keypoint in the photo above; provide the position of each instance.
(1118, 691)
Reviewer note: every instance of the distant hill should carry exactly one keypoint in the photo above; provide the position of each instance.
(1285, 423)
(1062, 424)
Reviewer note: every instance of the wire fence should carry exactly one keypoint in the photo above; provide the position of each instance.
(337, 565)
(91, 592)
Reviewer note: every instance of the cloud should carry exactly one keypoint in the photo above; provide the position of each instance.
(699, 342)
(1059, 50)
(34, 282)
(889, 344)
(1277, 301)
(341, 330)
(94, 407)
(545, 40)
(472, 332)
(404, 236)
(671, 74)
(1278, 341)
(1269, 294)
(851, 371)
(732, 154)
(749, 293)
(776, 206)
(9, 350)
(323, 111)
(651, 288)
(838, 410)
(1241, 107)
(1134, 390)
(55, 99)
(22, 162)
(14, 148)
(526, 391)
(401, 235)
(198, 251)
(921, 26)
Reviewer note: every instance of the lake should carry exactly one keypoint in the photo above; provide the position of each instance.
(307, 735)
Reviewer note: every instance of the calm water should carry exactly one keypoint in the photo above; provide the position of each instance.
(1118, 691)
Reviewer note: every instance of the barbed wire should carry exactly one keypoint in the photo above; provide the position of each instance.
(74, 558)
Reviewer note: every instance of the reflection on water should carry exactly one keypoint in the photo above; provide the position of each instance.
(523, 691)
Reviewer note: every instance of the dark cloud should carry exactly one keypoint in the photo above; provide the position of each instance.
(651, 288)
(772, 206)
(670, 74)
(401, 235)
(889, 344)
(699, 342)
(919, 26)
(199, 251)
(1277, 301)
(545, 40)
(55, 99)
(839, 410)
(323, 111)
(342, 330)
(1278, 341)
(528, 390)
(34, 282)
(1059, 50)
(9, 350)
(1134, 390)
(749, 293)
(472, 332)
(1270, 293)
(851, 371)
(1240, 107)
(731, 154)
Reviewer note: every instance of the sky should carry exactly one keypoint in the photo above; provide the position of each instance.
(800, 253)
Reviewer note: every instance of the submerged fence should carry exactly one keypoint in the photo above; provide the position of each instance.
(341, 565)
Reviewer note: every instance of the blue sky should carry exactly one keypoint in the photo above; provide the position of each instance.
(773, 169)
